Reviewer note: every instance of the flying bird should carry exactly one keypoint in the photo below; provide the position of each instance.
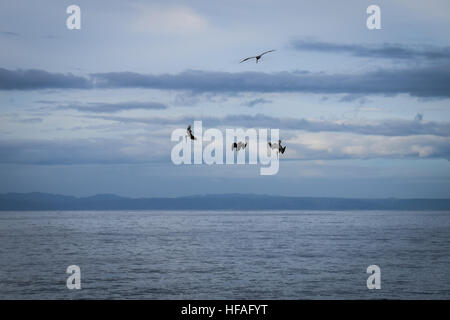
(189, 133)
(238, 146)
(256, 57)
(277, 147)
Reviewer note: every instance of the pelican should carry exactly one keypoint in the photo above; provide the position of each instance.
(256, 57)
(277, 147)
(238, 146)
(189, 133)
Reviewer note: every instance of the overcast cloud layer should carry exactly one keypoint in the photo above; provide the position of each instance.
(433, 81)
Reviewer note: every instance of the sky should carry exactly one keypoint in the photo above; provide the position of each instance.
(363, 113)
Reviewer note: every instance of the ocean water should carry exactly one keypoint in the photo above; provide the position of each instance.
(225, 255)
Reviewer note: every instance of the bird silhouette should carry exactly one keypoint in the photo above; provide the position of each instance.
(277, 147)
(189, 133)
(238, 145)
(256, 57)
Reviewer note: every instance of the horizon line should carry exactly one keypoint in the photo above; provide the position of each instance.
(217, 194)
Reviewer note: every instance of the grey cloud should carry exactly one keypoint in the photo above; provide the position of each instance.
(381, 128)
(189, 98)
(254, 102)
(418, 117)
(385, 50)
(10, 33)
(432, 81)
(347, 146)
(424, 82)
(361, 99)
(30, 120)
(116, 107)
(33, 79)
(46, 101)
(134, 150)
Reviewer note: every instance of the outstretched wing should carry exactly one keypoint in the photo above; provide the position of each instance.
(266, 52)
(247, 59)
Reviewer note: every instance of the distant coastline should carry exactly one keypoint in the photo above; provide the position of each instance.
(36, 201)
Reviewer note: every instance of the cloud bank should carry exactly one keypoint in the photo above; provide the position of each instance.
(430, 81)
(115, 107)
(148, 149)
(33, 79)
(388, 127)
(255, 102)
(385, 50)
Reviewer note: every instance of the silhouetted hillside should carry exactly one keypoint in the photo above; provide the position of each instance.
(44, 201)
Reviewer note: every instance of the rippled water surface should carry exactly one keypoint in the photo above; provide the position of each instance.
(224, 255)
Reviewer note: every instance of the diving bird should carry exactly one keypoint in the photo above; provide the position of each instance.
(189, 133)
(238, 146)
(277, 147)
(256, 57)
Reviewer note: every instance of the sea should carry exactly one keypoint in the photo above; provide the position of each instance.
(225, 254)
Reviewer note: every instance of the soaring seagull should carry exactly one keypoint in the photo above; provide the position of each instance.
(256, 57)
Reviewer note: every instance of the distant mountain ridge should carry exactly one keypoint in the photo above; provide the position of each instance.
(43, 201)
